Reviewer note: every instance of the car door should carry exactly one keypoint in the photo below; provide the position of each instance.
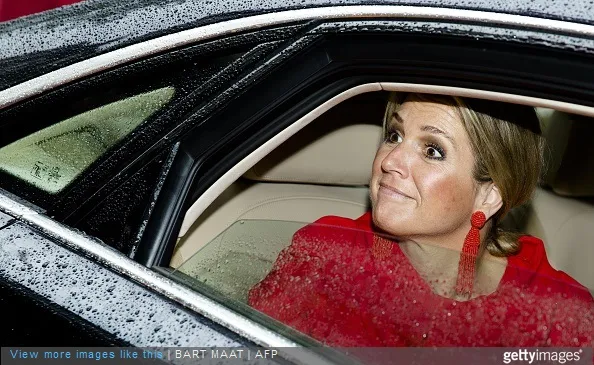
(486, 61)
(53, 296)
(91, 154)
(291, 80)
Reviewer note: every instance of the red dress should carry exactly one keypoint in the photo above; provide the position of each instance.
(329, 285)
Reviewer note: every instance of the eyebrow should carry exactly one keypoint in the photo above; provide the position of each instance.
(426, 128)
(398, 117)
(434, 130)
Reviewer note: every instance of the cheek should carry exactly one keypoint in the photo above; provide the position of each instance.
(377, 161)
(376, 175)
(376, 168)
(454, 195)
(446, 193)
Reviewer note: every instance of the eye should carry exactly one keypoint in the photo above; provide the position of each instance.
(434, 152)
(393, 137)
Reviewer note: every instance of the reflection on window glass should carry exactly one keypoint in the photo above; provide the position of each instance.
(340, 283)
(53, 157)
(241, 256)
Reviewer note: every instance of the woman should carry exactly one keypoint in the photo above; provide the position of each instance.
(446, 173)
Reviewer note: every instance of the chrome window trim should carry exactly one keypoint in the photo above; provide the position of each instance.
(134, 52)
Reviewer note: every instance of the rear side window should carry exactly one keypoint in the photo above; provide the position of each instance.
(51, 158)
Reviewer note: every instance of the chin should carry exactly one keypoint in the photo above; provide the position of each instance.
(384, 220)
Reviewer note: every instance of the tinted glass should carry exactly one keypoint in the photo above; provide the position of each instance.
(53, 157)
(349, 287)
(241, 256)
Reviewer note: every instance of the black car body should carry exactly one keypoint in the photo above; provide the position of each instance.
(89, 257)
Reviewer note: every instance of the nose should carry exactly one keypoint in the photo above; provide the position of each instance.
(397, 160)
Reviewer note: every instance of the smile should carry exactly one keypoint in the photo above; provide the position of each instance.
(392, 192)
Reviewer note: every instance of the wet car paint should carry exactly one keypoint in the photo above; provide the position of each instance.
(63, 36)
(131, 312)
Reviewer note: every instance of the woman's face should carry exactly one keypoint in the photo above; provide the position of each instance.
(422, 184)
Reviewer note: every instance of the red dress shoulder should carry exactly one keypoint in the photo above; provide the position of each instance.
(329, 285)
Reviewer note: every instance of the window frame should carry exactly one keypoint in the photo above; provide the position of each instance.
(325, 69)
(328, 75)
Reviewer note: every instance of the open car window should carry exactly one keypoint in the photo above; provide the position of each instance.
(53, 157)
(349, 287)
(334, 284)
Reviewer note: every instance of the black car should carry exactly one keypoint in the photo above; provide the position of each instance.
(134, 133)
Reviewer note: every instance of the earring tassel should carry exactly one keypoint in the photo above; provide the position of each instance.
(469, 254)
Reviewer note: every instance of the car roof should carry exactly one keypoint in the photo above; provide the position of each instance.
(39, 43)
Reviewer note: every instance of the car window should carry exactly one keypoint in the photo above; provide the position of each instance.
(241, 256)
(323, 278)
(53, 157)
(347, 286)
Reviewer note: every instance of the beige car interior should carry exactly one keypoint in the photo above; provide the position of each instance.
(325, 167)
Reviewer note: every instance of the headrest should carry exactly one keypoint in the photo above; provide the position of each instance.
(347, 137)
(570, 168)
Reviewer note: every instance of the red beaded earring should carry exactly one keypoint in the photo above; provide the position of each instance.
(468, 256)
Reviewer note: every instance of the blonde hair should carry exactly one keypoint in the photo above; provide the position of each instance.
(508, 150)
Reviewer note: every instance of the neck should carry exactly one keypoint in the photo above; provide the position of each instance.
(437, 259)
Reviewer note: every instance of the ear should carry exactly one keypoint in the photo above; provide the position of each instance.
(488, 199)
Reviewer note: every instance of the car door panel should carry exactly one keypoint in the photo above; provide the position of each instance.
(104, 298)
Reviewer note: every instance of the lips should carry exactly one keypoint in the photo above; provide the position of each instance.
(393, 191)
